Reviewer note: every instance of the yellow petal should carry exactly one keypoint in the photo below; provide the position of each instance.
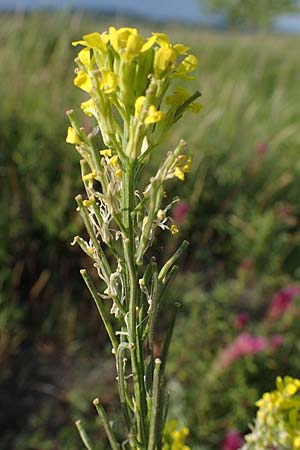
(174, 230)
(118, 38)
(162, 39)
(291, 388)
(179, 173)
(187, 167)
(85, 57)
(89, 176)
(114, 161)
(74, 43)
(180, 96)
(83, 81)
(181, 49)
(186, 66)
(88, 107)
(94, 40)
(164, 58)
(149, 43)
(109, 81)
(139, 105)
(134, 46)
(118, 174)
(153, 115)
(72, 136)
(106, 152)
(87, 203)
(113, 37)
(195, 107)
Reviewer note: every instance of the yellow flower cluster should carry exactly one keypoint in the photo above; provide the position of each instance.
(128, 76)
(174, 437)
(278, 418)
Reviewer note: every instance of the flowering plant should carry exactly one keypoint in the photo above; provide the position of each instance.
(134, 99)
(277, 424)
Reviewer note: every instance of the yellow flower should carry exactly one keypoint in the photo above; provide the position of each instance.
(178, 97)
(153, 115)
(179, 173)
(195, 107)
(118, 174)
(88, 107)
(174, 229)
(127, 42)
(89, 176)
(186, 66)
(109, 81)
(185, 431)
(139, 105)
(72, 136)
(85, 57)
(114, 162)
(92, 40)
(106, 152)
(148, 44)
(162, 39)
(134, 46)
(83, 81)
(164, 59)
(181, 49)
(187, 167)
(296, 443)
(87, 203)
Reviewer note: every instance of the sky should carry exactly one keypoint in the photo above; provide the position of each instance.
(178, 10)
(187, 10)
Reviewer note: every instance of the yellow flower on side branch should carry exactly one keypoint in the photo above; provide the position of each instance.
(83, 81)
(72, 136)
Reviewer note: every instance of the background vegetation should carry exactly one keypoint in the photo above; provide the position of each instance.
(240, 210)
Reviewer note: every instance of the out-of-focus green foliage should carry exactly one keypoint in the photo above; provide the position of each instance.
(242, 219)
(251, 13)
(220, 364)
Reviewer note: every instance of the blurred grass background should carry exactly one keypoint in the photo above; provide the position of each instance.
(242, 202)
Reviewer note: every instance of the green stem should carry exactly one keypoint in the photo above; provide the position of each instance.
(104, 316)
(106, 425)
(84, 437)
(133, 289)
(155, 407)
(131, 294)
(172, 260)
(121, 383)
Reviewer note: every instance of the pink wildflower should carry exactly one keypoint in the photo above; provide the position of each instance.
(282, 300)
(244, 344)
(241, 320)
(180, 213)
(232, 441)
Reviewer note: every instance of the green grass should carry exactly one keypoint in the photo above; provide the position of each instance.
(250, 96)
